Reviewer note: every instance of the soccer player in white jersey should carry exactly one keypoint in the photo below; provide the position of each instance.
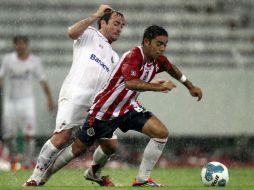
(17, 72)
(93, 62)
(117, 106)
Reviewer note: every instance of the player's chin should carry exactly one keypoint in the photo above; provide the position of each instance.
(156, 56)
(115, 37)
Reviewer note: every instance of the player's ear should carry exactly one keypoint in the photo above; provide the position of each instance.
(146, 42)
(103, 23)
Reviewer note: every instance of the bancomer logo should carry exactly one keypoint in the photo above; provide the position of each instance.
(97, 60)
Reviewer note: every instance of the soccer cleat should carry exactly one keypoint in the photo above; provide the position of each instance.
(30, 183)
(33, 183)
(148, 183)
(102, 181)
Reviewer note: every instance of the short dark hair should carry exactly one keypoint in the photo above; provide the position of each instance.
(152, 31)
(20, 37)
(107, 15)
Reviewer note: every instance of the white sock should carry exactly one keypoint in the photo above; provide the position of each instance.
(151, 155)
(46, 157)
(63, 158)
(99, 161)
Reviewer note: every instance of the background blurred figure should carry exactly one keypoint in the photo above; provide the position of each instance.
(19, 69)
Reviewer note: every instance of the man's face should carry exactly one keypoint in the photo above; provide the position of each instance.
(156, 46)
(113, 28)
(21, 46)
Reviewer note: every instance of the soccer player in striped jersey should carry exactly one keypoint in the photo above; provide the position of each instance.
(116, 105)
(93, 62)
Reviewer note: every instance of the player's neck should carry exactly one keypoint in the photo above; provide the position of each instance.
(104, 33)
(147, 58)
(23, 55)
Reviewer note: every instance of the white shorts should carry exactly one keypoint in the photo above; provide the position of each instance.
(70, 115)
(19, 114)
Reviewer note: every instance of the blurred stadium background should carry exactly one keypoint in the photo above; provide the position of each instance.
(212, 42)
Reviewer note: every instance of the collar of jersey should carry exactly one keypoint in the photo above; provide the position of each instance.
(100, 34)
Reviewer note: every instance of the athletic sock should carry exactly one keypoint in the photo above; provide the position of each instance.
(63, 158)
(151, 155)
(99, 161)
(46, 157)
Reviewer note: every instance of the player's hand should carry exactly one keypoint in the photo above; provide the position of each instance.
(196, 92)
(100, 12)
(168, 84)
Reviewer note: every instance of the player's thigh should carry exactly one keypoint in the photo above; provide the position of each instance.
(154, 128)
(9, 127)
(27, 121)
(70, 115)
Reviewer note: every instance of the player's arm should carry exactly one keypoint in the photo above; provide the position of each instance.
(77, 29)
(177, 74)
(130, 67)
(47, 92)
(139, 85)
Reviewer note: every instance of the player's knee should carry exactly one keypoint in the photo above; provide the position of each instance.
(78, 148)
(162, 133)
(109, 147)
(59, 140)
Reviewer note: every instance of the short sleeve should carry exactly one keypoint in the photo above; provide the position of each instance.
(131, 64)
(163, 63)
(88, 32)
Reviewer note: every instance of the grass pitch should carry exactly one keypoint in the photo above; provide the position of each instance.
(173, 178)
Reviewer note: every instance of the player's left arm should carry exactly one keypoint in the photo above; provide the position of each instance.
(47, 92)
(195, 91)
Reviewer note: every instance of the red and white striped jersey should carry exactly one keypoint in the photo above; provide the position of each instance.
(115, 99)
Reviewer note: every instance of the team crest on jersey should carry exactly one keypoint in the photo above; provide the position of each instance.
(133, 73)
(90, 132)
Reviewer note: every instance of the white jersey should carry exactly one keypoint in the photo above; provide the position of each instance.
(20, 74)
(93, 62)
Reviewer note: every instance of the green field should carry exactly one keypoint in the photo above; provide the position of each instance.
(173, 178)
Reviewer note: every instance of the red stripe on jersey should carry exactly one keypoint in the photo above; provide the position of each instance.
(114, 104)
(127, 105)
(105, 94)
(114, 79)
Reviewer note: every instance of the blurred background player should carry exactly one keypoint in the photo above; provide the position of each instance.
(18, 71)
(93, 61)
(117, 106)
